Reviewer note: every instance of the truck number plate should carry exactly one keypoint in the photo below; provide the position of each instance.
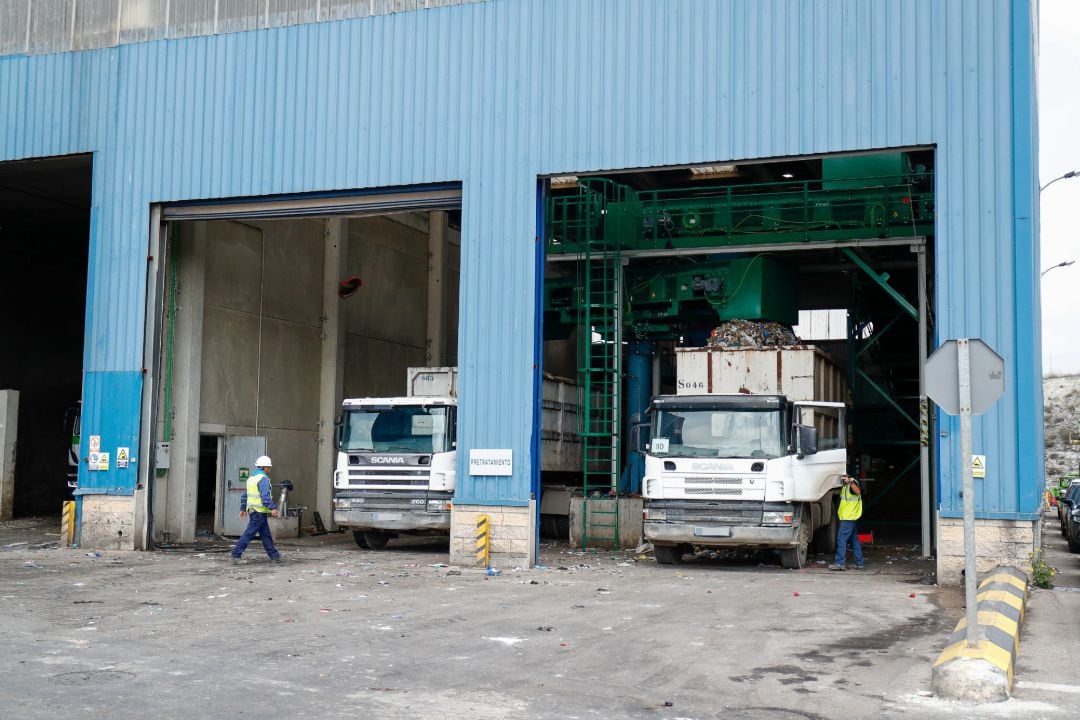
(374, 516)
(712, 532)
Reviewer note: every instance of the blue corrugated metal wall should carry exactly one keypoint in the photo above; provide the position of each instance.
(494, 94)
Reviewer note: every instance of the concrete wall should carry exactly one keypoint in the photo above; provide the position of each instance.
(997, 542)
(261, 344)
(631, 529)
(248, 341)
(386, 321)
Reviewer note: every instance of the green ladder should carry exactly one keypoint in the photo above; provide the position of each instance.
(599, 283)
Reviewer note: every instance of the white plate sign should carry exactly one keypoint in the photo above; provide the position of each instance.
(498, 461)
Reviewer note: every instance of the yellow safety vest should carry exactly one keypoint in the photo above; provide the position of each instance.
(850, 504)
(254, 498)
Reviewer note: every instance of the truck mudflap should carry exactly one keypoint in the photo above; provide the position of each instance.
(394, 521)
(661, 532)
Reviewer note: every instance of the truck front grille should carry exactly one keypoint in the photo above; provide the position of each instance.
(383, 476)
(712, 491)
(701, 512)
(378, 501)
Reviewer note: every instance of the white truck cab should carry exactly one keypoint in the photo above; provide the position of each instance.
(743, 470)
(396, 467)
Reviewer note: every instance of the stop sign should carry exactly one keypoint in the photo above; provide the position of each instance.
(986, 370)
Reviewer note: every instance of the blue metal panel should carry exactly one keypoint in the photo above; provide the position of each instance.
(106, 395)
(494, 94)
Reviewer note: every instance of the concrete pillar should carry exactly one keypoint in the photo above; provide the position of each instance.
(182, 485)
(9, 431)
(437, 288)
(332, 365)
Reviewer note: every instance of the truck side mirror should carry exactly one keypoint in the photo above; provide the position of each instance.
(807, 441)
(339, 431)
(636, 426)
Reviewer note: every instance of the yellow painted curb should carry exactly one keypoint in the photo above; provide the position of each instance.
(957, 673)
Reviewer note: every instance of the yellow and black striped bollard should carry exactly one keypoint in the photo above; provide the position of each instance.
(482, 540)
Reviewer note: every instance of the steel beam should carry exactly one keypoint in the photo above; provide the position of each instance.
(882, 281)
(742, 249)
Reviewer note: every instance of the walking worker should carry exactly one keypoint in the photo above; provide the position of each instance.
(258, 504)
(849, 512)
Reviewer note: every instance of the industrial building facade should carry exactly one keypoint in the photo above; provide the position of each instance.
(227, 177)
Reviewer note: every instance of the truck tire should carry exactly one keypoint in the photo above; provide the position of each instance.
(668, 554)
(376, 540)
(1074, 546)
(358, 536)
(795, 558)
(825, 537)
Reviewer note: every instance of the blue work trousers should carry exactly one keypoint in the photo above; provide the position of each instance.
(848, 532)
(258, 524)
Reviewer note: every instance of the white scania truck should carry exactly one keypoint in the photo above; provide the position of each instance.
(396, 468)
(749, 453)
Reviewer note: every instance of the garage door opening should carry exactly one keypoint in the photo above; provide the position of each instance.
(44, 241)
(690, 281)
(273, 313)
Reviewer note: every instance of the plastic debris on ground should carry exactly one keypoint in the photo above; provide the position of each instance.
(752, 334)
(492, 572)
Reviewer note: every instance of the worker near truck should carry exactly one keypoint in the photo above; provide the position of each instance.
(258, 508)
(849, 512)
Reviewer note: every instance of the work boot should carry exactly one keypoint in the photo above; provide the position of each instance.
(234, 560)
(834, 566)
(859, 567)
(277, 559)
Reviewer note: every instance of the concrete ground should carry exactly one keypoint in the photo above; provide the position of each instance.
(343, 632)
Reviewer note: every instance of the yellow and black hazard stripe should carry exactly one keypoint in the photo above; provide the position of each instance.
(1002, 598)
(483, 540)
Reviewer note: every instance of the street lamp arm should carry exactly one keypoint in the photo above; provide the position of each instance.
(1063, 263)
(1070, 174)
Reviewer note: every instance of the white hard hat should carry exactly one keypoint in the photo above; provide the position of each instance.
(263, 461)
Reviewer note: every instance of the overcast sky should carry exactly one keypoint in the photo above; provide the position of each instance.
(1059, 152)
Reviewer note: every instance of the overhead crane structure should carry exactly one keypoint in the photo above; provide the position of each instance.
(655, 267)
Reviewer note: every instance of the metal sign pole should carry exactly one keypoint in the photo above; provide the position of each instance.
(924, 410)
(963, 358)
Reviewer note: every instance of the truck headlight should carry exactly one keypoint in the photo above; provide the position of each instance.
(436, 505)
(783, 517)
(653, 514)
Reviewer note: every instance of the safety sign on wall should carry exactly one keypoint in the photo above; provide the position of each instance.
(95, 443)
(103, 461)
(978, 466)
(92, 460)
(122, 457)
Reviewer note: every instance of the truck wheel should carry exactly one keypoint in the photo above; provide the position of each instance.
(1074, 546)
(795, 558)
(669, 554)
(376, 540)
(358, 536)
(825, 537)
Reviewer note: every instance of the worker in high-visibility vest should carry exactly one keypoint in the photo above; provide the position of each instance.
(258, 506)
(849, 511)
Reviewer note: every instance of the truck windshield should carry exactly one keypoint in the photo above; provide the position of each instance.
(408, 429)
(728, 433)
